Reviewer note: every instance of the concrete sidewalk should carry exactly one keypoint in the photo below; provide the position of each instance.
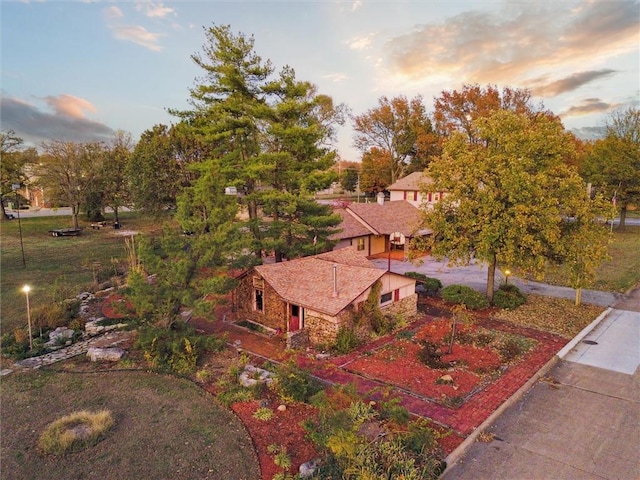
(581, 421)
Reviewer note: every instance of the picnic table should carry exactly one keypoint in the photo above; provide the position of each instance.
(65, 232)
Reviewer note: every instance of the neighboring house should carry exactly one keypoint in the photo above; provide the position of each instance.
(411, 188)
(309, 298)
(375, 228)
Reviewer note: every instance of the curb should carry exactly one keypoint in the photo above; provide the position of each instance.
(585, 331)
(454, 456)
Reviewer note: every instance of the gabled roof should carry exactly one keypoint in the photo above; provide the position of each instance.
(350, 227)
(411, 182)
(309, 281)
(399, 216)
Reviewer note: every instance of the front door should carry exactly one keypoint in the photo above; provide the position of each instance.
(295, 317)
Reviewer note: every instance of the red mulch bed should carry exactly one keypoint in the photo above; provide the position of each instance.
(398, 363)
(116, 306)
(283, 429)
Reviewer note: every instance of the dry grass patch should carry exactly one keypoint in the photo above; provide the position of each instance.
(554, 315)
(75, 432)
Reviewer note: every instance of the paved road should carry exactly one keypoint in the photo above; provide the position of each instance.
(581, 421)
(475, 276)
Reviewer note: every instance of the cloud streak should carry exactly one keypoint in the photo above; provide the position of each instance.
(521, 38)
(587, 107)
(567, 84)
(151, 9)
(132, 33)
(66, 122)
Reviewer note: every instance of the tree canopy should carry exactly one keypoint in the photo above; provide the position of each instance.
(271, 137)
(68, 171)
(13, 159)
(613, 163)
(457, 111)
(397, 132)
(508, 196)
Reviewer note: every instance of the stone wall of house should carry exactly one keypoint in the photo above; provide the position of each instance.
(298, 339)
(407, 307)
(275, 309)
(321, 331)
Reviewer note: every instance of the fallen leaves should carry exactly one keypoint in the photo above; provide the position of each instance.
(555, 315)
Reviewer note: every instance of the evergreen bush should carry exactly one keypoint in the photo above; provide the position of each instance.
(461, 294)
(508, 297)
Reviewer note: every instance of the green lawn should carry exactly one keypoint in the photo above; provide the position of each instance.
(66, 265)
(618, 274)
(165, 428)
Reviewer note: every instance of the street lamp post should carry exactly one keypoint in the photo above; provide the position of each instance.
(26, 289)
(506, 276)
(15, 187)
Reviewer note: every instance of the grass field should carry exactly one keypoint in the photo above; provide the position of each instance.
(57, 266)
(68, 264)
(618, 274)
(165, 427)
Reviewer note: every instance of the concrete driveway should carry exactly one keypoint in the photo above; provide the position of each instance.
(475, 276)
(581, 421)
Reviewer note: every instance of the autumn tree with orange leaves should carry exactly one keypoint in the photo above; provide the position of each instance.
(398, 136)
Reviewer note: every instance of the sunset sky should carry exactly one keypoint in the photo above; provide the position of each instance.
(79, 70)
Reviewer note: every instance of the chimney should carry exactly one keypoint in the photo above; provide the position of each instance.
(335, 281)
(380, 198)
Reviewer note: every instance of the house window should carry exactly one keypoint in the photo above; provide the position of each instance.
(360, 246)
(258, 304)
(386, 297)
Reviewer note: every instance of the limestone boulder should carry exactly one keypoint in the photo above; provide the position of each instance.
(109, 354)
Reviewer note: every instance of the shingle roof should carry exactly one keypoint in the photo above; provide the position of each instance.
(399, 216)
(411, 182)
(309, 281)
(351, 228)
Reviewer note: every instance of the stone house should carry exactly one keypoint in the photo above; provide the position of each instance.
(309, 298)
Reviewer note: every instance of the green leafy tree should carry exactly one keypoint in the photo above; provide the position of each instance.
(115, 189)
(613, 163)
(13, 160)
(584, 241)
(507, 196)
(156, 172)
(402, 130)
(69, 172)
(349, 176)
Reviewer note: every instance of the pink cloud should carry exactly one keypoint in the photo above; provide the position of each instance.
(70, 106)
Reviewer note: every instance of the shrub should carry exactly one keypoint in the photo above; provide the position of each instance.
(75, 432)
(346, 340)
(263, 413)
(295, 384)
(513, 346)
(392, 410)
(430, 355)
(420, 438)
(431, 285)
(175, 350)
(461, 294)
(508, 297)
